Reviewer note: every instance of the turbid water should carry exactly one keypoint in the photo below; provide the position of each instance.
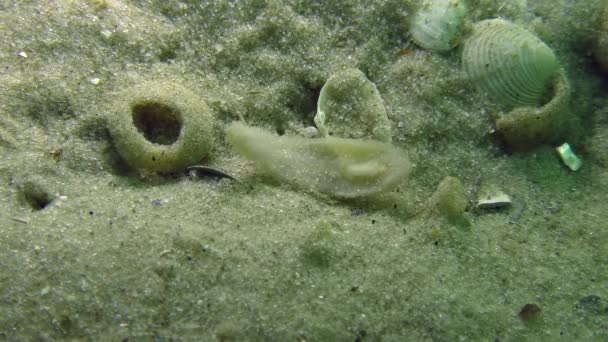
(96, 245)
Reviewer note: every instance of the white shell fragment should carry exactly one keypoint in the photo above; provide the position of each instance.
(492, 199)
(509, 63)
(438, 24)
(572, 161)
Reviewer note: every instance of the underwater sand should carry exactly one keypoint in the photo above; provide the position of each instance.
(91, 249)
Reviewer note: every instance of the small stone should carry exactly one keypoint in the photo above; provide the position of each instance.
(590, 303)
(529, 312)
(45, 290)
(357, 211)
(22, 54)
(309, 132)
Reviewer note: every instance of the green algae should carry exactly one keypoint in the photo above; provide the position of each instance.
(450, 201)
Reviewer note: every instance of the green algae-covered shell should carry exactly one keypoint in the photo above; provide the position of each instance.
(160, 126)
(509, 63)
(438, 24)
(527, 126)
(350, 106)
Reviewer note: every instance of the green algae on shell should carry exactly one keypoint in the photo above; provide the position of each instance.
(527, 126)
(509, 63)
(160, 126)
(345, 168)
(350, 106)
(438, 24)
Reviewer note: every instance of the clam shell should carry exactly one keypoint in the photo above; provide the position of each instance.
(437, 25)
(509, 63)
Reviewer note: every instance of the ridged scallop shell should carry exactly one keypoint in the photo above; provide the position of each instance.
(438, 24)
(509, 63)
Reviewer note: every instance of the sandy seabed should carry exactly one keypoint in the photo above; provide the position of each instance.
(91, 249)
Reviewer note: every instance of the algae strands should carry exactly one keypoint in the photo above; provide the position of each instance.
(338, 167)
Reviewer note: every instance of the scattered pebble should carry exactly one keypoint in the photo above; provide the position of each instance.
(572, 161)
(590, 303)
(106, 33)
(529, 312)
(357, 211)
(309, 132)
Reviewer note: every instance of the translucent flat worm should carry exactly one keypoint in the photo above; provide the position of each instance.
(339, 167)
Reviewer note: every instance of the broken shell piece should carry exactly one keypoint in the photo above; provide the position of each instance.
(569, 158)
(438, 24)
(492, 199)
(202, 170)
(350, 106)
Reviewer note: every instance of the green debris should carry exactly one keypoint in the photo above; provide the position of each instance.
(449, 199)
(572, 161)
(321, 245)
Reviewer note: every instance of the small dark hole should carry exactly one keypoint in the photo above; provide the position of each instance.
(308, 107)
(529, 312)
(35, 196)
(159, 123)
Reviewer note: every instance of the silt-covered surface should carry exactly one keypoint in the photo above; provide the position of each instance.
(91, 249)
